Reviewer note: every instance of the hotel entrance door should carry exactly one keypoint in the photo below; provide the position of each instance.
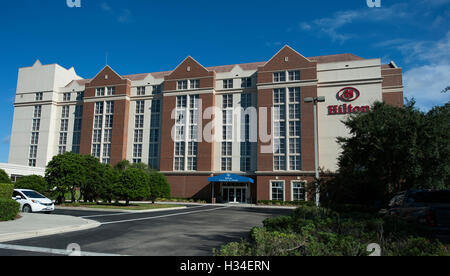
(235, 194)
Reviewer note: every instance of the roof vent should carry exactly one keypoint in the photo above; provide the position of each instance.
(286, 59)
(106, 77)
(189, 68)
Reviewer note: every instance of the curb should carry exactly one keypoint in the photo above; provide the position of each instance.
(119, 210)
(90, 224)
(232, 205)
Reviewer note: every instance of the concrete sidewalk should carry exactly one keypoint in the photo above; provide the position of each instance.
(37, 225)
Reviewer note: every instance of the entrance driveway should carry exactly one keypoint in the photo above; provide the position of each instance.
(194, 231)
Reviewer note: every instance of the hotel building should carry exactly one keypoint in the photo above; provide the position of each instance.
(201, 126)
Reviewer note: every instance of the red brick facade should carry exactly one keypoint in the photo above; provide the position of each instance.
(195, 184)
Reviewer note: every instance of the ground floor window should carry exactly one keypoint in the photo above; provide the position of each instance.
(277, 190)
(298, 191)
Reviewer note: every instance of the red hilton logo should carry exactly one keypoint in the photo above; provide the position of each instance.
(348, 94)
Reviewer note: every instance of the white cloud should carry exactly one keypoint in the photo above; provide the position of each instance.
(425, 84)
(124, 16)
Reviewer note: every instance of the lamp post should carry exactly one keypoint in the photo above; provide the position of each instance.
(316, 147)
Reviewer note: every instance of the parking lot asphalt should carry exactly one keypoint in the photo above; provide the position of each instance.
(194, 231)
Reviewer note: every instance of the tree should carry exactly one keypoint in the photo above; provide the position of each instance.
(109, 178)
(159, 186)
(33, 182)
(4, 178)
(132, 185)
(94, 178)
(446, 89)
(122, 165)
(65, 173)
(392, 149)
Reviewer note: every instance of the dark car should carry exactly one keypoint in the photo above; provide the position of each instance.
(427, 207)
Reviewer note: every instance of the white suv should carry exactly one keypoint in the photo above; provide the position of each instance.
(32, 201)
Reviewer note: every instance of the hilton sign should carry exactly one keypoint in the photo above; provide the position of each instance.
(348, 94)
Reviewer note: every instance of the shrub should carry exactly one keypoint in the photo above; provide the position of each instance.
(4, 178)
(8, 209)
(159, 186)
(132, 185)
(285, 203)
(6, 190)
(33, 182)
(311, 231)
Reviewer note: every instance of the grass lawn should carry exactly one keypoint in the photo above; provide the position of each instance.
(136, 207)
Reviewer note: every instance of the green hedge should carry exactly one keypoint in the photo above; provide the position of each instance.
(285, 203)
(6, 190)
(311, 231)
(8, 209)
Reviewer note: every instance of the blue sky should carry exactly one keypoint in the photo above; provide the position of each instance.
(145, 36)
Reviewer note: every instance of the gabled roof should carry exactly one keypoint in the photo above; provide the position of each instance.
(244, 66)
(335, 58)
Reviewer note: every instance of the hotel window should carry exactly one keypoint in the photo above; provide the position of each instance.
(294, 75)
(137, 151)
(106, 154)
(141, 91)
(96, 150)
(155, 123)
(139, 121)
(32, 163)
(109, 121)
(107, 136)
(65, 111)
(80, 96)
(246, 100)
(37, 111)
(61, 150)
(228, 84)
(66, 97)
(140, 107)
(182, 85)
(227, 101)
(295, 162)
(180, 151)
(109, 107)
(298, 191)
(100, 92)
(181, 102)
(35, 138)
(246, 82)
(186, 132)
(277, 193)
(36, 124)
(279, 127)
(226, 164)
(64, 125)
(99, 108)
(294, 95)
(33, 152)
(63, 139)
(35, 135)
(157, 89)
(139, 132)
(279, 77)
(192, 156)
(39, 96)
(194, 84)
(111, 91)
(139, 136)
(245, 156)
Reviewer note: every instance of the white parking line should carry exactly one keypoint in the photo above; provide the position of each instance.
(51, 251)
(123, 213)
(163, 216)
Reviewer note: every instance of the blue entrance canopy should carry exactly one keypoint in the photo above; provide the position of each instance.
(231, 178)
